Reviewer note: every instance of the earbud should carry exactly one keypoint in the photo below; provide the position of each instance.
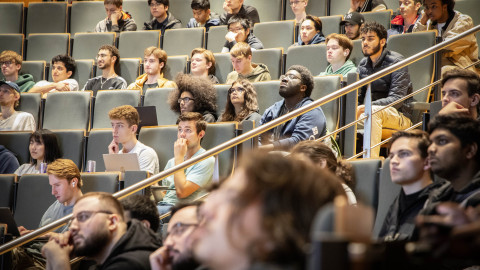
(73, 184)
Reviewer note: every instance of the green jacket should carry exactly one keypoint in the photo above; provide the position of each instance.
(348, 67)
(260, 73)
(25, 82)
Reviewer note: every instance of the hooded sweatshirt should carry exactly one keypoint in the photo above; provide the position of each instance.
(25, 82)
(317, 39)
(348, 67)
(126, 23)
(259, 73)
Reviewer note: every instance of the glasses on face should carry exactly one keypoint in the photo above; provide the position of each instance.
(235, 30)
(7, 63)
(185, 100)
(154, 4)
(179, 228)
(294, 3)
(289, 76)
(237, 90)
(85, 215)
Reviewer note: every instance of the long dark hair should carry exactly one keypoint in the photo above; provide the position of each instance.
(49, 140)
(250, 103)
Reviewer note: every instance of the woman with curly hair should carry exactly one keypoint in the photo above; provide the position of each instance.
(241, 103)
(194, 94)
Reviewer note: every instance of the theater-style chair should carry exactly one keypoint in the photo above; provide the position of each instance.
(109, 99)
(31, 103)
(267, 94)
(7, 188)
(223, 66)
(318, 8)
(34, 196)
(222, 94)
(71, 143)
(35, 68)
(325, 85)
(86, 45)
(67, 110)
(84, 72)
(330, 24)
(140, 11)
(12, 42)
(46, 46)
(132, 177)
(17, 142)
(272, 58)
(97, 145)
(381, 17)
(357, 53)
(158, 97)
(175, 64)
(11, 18)
(216, 134)
(183, 41)
(129, 70)
(269, 33)
(268, 10)
(85, 15)
(161, 139)
(100, 182)
(182, 11)
(216, 38)
(47, 18)
(312, 57)
(367, 172)
(338, 7)
(131, 44)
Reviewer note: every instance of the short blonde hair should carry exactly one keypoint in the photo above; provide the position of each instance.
(158, 53)
(343, 41)
(125, 112)
(208, 56)
(65, 168)
(8, 55)
(241, 49)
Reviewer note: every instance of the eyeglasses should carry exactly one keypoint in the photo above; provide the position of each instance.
(153, 4)
(179, 228)
(8, 63)
(294, 3)
(85, 215)
(238, 29)
(185, 100)
(289, 76)
(238, 90)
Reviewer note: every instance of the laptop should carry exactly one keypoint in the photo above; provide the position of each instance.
(121, 162)
(6, 217)
(148, 117)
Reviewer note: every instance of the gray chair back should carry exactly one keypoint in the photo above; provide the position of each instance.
(312, 57)
(268, 10)
(132, 43)
(330, 24)
(268, 33)
(272, 58)
(71, 142)
(100, 182)
(175, 64)
(132, 177)
(47, 18)
(139, 10)
(85, 16)
(471, 8)
(216, 38)
(183, 41)
(158, 97)
(381, 17)
(182, 11)
(11, 17)
(12, 42)
(67, 110)
(161, 139)
(97, 145)
(357, 53)
(325, 85)
(318, 8)
(35, 68)
(223, 66)
(222, 94)
(46, 46)
(31, 103)
(366, 175)
(86, 45)
(109, 99)
(17, 142)
(84, 71)
(7, 187)
(216, 134)
(338, 7)
(129, 69)
(267, 94)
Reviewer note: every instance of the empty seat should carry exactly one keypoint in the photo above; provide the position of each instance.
(331, 24)
(109, 99)
(97, 145)
(326, 85)
(367, 174)
(47, 18)
(175, 64)
(133, 43)
(11, 17)
(268, 10)
(84, 71)
(31, 103)
(339, 7)
(158, 97)
(7, 187)
(67, 110)
(35, 68)
(12, 42)
(34, 196)
(139, 10)
(17, 142)
(71, 143)
(46, 46)
(216, 38)
(267, 94)
(270, 57)
(223, 66)
(312, 57)
(86, 45)
(85, 16)
(269, 33)
(183, 41)
(100, 182)
(318, 8)
(381, 17)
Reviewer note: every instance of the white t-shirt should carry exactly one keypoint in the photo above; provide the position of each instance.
(147, 157)
(18, 121)
(26, 168)
(72, 84)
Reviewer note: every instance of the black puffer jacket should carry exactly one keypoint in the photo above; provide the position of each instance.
(169, 23)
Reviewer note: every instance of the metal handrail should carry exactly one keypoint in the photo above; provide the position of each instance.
(248, 135)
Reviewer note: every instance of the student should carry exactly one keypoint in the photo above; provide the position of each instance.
(117, 20)
(63, 68)
(241, 103)
(162, 18)
(10, 119)
(234, 7)
(310, 31)
(339, 49)
(241, 56)
(367, 5)
(11, 65)
(203, 64)
(154, 62)
(352, 23)
(405, 21)
(202, 16)
(239, 30)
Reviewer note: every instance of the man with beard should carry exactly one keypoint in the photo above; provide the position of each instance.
(296, 86)
(108, 60)
(98, 232)
(176, 252)
(154, 62)
(352, 23)
(385, 90)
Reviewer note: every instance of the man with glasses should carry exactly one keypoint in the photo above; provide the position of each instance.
(239, 31)
(98, 232)
(11, 64)
(187, 185)
(296, 86)
(162, 19)
(117, 20)
(241, 56)
(234, 7)
(176, 252)
(153, 62)
(108, 60)
(299, 10)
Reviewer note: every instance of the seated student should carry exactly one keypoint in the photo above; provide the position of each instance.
(234, 7)
(108, 60)
(367, 5)
(154, 62)
(44, 148)
(339, 49)
(460, 92)
(299, 10)
(194, 94)
(352, 23)
(296, 86)
(241, 56)
(125, 121)
(117, 20)
(11, 120)
(261, 217)
(310, 31)
(11, 64)
(8, 161)
(440, 15)
(162, 18)
(405, 21)
(189, 184)
(239, 31)
(202, 16)
(241, 103)
(63, 68)
(143, 209)
(202, 63)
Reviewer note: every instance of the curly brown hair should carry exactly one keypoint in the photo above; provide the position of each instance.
(250, 103)
(202, 90)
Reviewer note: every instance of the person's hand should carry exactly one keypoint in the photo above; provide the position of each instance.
(424, 18)
(159, 260)
(62, 86)
(360, 110)
(355, 4)
(453, 107)
(227, 8)
(23, 230)
(230, 36)
(180, 150)
(113, 147)
(58, 247)
(116, 16)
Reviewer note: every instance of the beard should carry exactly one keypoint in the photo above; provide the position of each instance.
(288, 91)
(375, 50)
(185, 262)
(92, 245)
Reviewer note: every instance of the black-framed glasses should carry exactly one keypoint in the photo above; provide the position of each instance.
(6, 63)
(238, 90)
(179, 228)
(185, 99)
(86, 215)
(289, 76)
(154, 4)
